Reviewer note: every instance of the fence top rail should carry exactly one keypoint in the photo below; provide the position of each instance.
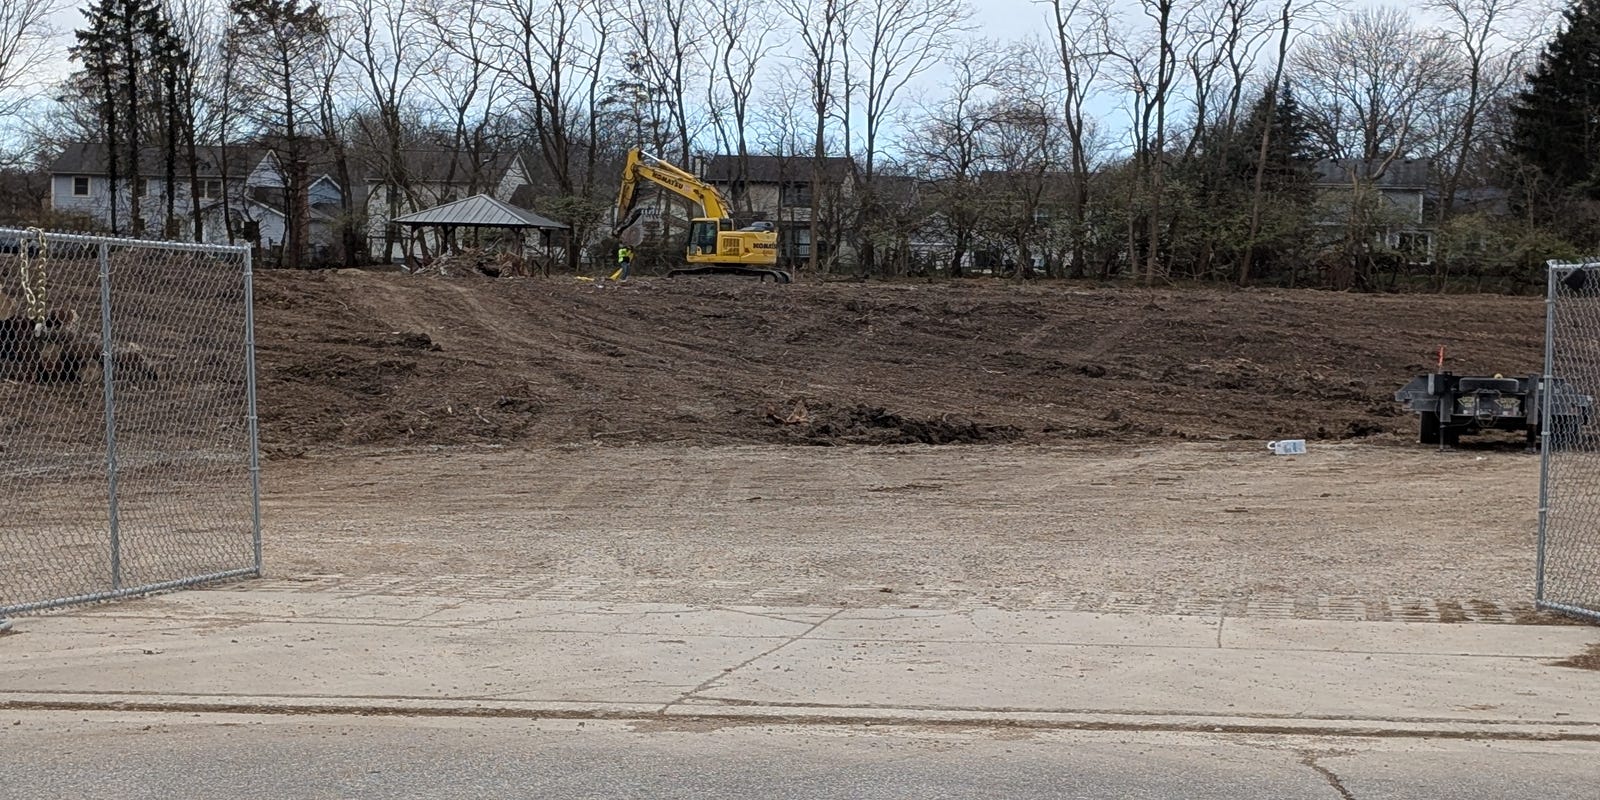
(1587, 263)
(124, 241)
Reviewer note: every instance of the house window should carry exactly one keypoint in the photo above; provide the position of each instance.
(799, 242)
(141, 187)
(210, 189)
(1415, 246)
(795, 195)
(80, 186)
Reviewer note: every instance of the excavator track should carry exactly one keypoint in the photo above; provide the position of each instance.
(777, 275)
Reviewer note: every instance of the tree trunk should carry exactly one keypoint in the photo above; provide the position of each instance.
(1262, 153)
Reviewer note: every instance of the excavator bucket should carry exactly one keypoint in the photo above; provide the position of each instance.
(640, 223)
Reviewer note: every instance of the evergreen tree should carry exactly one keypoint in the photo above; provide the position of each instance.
(170, 60)
(120, 47)
(1292, 149)
(1556, 119)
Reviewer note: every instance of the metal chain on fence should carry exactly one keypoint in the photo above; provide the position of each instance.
(128, 456)
(35, 277)
(1569, 494)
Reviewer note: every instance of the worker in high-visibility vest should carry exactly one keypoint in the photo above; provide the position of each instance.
(624, 264)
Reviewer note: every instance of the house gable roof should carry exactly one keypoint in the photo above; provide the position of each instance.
(775, 169)
(1402, 173)
(89, 158)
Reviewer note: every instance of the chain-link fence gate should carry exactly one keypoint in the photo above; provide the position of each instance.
(128, 455)
(1569, 487)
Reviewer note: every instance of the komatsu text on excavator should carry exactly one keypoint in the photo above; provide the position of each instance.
(715, 247)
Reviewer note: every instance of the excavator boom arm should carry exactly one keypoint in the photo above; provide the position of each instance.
(643, 167)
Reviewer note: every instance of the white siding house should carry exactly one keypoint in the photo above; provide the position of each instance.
(241, 186)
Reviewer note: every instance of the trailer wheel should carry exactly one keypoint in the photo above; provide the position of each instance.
(1428, 428)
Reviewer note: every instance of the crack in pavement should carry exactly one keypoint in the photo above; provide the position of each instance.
(1311, 760)
(775, 617)
(709, 682)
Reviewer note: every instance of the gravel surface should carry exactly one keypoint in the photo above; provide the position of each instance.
(1347, 531)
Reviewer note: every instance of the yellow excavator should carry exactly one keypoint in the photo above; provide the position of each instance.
(715, 246)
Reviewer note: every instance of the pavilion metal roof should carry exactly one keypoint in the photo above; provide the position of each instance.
(480, 211)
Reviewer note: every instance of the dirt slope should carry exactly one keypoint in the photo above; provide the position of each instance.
(382, 359)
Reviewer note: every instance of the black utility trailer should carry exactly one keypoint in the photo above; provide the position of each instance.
(1450, 405)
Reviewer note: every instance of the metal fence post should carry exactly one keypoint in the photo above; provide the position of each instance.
(252, 419)
(1546, 395)
(107, 379)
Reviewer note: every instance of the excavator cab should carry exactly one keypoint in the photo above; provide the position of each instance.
(703, 237)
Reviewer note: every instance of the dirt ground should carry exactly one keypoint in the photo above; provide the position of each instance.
(1036, 446)
(1347, 531)
(354, 358)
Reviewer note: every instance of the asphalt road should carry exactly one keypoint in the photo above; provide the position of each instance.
(132, 756)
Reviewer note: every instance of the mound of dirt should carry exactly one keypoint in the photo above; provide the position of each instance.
(859, 424)
(369, 358)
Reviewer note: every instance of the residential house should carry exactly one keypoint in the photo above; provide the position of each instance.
(780, 189)
(429, 178)
(239, 188)
(1401, 187)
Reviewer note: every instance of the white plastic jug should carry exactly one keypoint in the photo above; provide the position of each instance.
(1288, 447)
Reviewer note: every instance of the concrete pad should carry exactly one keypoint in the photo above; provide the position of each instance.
(999, 625)
(1527, 641)
(450, 655)
(1161, 681)
(310, 659)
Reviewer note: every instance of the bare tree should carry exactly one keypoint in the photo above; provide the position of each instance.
(1369, 81)
(553, 57)
(277, 44)
(666, 47)
(947, 146)
(894, 42)
(1475, 28)
(820, 29)
(197, 26)
(388, 48)
(1223, 41)
(746, 33)
(1081, 58)
(1024, 151)
(27, 43)
(332, 78)
(1147, 64)
(460, 83)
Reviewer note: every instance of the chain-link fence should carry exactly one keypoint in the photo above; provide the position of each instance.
(1569, 490)
(128, 457)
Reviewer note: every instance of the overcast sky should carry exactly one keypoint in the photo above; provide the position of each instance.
(1011, 19)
